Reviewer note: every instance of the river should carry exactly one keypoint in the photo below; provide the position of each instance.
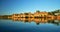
(8, 25)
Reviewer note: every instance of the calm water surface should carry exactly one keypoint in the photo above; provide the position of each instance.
(10, 25)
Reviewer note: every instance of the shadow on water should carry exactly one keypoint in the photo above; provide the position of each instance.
(56, 22)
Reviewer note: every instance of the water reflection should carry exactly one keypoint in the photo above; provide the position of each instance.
(37, 20)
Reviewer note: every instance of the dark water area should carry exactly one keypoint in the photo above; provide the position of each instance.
(8, 25)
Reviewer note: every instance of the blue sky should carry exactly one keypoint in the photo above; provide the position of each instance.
(8, 7)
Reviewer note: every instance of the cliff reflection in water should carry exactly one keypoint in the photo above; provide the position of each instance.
(37, 20)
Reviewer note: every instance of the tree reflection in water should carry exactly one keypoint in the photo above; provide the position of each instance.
(36, 20)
